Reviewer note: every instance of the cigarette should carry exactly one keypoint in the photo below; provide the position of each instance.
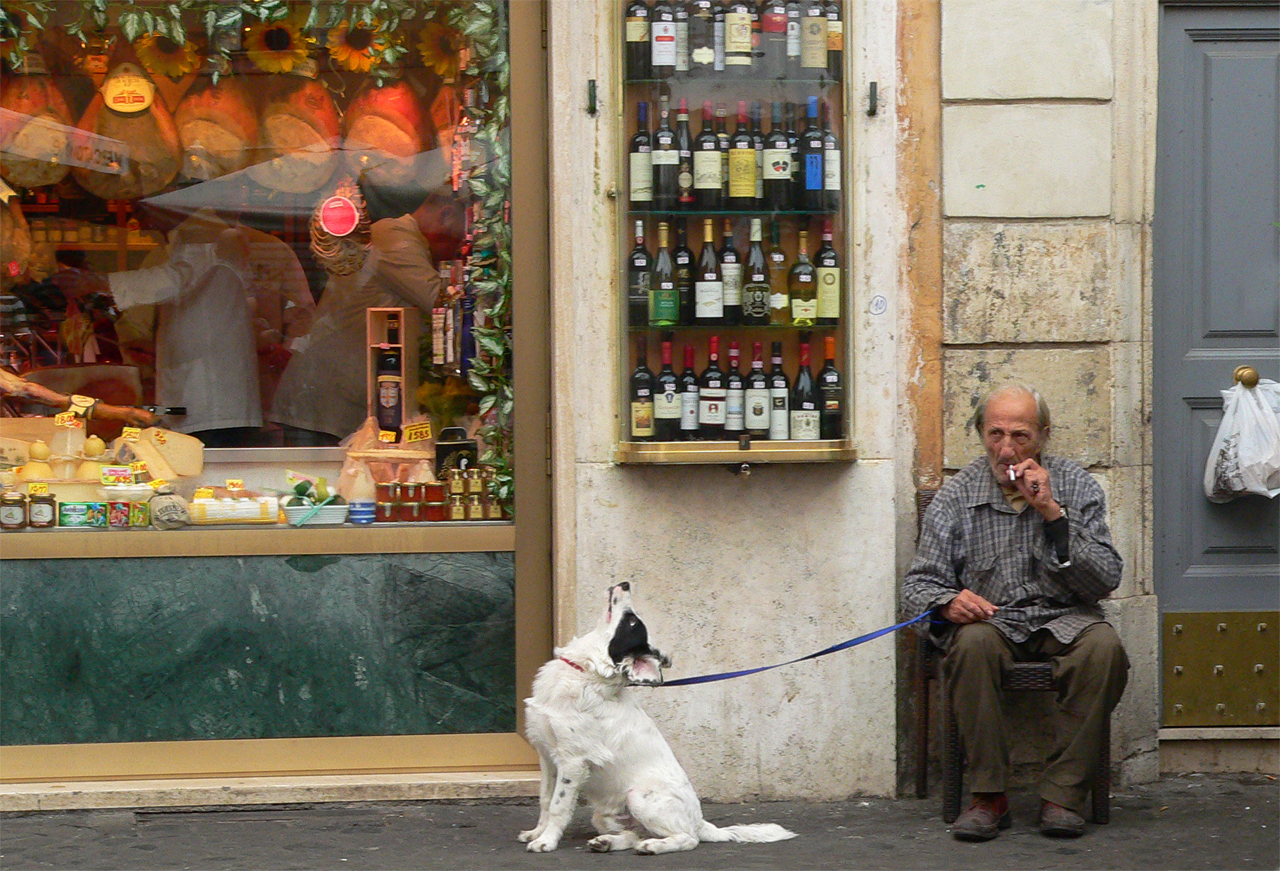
(1013, 476)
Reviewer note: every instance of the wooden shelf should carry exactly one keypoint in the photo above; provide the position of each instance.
(710, 453)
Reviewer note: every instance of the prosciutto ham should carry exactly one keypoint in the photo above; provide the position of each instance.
(15, 245)
(218, 128)
(385, 130)
(151, 151)
(35, 131)
(300, 133)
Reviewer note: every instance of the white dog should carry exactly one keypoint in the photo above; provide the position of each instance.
(593, 738)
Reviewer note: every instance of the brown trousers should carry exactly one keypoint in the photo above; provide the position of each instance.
(1090, 672)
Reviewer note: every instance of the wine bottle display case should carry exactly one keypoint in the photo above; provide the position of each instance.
(734, 229)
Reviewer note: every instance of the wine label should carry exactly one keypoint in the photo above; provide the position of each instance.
(777, 164)
(805, 423)
(663, 41)
(803, 309)
(664, 304)
(835, 34)
(755, 408)
(682, 46)
(742, 172)
(779, 301)
(703, 56)
(689, 410)
(732, 274)
(831, 169)
(717, 40)
(828, 291)
(813, 43)
(755, 300)
(779, 420)
(814, 172)
(711, 406)
(708, 300)
(707, 167)
(660, 157)
(637, 30)
(737, 38)
(666, 405)
(642, 418)
(734, 403)
(642, 177)
(793, 36)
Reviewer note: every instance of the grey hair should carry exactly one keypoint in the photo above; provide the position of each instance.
(1042, 407)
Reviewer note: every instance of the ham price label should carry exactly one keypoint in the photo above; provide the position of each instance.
(339, 216)
(128, 90)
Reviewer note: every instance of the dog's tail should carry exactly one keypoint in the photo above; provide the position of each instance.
(756, 833)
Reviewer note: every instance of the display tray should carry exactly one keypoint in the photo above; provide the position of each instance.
(692, 453)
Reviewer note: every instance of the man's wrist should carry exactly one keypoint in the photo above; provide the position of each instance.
(1053, 511)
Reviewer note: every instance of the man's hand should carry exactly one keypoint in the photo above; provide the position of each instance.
(79, 283)
(968, 607)
(1032, 482)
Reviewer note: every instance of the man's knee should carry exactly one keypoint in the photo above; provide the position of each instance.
(974, 642)
(1102, 648)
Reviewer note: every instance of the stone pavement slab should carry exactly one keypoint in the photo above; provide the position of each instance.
(1183, 822)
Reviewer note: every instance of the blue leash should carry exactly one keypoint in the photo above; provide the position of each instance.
(844, 645)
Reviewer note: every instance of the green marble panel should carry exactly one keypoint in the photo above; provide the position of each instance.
(166, 649)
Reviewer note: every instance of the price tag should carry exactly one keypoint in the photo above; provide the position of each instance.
(38, 488)
(386, 436)
(418, 432)
(157, 483)
(138, 467)
(130, 433)
(235, 484)
(203, 493)
(67, 419)
(161, 436)
(116, 475)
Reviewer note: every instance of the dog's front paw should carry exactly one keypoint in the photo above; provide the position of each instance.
(529, 834)
(543, 844)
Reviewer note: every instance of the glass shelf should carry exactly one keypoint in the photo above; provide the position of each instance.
(734, 453)
(731, 213)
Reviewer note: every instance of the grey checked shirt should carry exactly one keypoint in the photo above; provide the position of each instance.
(971, 538)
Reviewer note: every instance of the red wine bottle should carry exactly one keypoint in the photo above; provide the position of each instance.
(639, 277)
(390, 381)
(707, 166)
(777, 164)
(805, 417)
(835, 41)
(637, 36)
(684, 169)
(742, 164)
(712, 394)
(662, 39)
(735, 394)
(731, 275)
(688, 398)
(779, 396)
(641, 161)
(642, 395)
(755, 282)
(666, 400)
(685, 262)
(832, 179)
(832, 391)
(811, 157)
(827, 263)
(755, 399)
(666, 162)
(708, 284)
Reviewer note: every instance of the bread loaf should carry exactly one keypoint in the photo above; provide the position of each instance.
(34, 139)
(218, 128)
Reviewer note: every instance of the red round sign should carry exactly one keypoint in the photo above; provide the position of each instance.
(339, 216)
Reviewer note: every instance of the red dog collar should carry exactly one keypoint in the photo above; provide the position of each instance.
(571, 662)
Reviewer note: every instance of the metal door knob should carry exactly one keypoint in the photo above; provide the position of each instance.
(1246, 375)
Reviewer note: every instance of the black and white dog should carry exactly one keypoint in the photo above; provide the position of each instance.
(593, 739)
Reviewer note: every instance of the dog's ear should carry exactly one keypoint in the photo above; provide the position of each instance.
(645, 669)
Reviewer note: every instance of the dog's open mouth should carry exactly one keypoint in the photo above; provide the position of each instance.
(631, 652)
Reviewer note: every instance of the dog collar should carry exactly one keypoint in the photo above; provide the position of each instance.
(571, 662)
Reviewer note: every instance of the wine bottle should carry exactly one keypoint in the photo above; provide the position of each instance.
(779, 294)
(731, 275)
(737, 38)
(757, 54)
(779, 397)
(777, 164)
(831, 177)
(813, 38)
(734, 394)
(755, 285)
(662, 39)
(757, 142)
(708, 283)
(722, 139)
(682, 35)
(639, 277)
(805, 409)
(773, 38)
(702, 38)
(832, 393)
(797, 165)
(664, 299)
(642, 395)
(742, 164)
(688, 398)
(827, 263)
(835, 41)
(666, 162)
(812, 159)
(666, 400)
(755, 397)
(639, 64)
(718, 10)
(712, 395)
(793, 39)
(390, 382)
(684, 263)
(802, 284)
(707, 169)
(684, 171)
(641, 161)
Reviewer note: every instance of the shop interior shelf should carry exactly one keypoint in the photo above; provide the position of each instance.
(711, 453)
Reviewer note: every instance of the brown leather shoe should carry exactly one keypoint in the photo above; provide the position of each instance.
(984, 818)
(1060, 822)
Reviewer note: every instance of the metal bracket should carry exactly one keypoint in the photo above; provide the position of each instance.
(873, 99)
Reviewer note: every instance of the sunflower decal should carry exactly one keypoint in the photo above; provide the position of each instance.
(163, 57)
(276, 46)
(356, 48)
(441, 49)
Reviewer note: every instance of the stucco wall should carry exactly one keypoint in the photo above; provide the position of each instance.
(730, 572)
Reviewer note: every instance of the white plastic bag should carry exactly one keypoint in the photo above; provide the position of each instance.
(1245, 457)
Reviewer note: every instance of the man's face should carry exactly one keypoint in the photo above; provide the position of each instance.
(1011, 433)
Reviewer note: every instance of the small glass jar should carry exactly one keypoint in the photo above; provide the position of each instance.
(433, 491)
(475, 507)
(455, 482)
(475, 483)
(493, 510)
(384, 512)
(410, 491)
(388, 491)
(434, 512)
(457, 508)
(13, 510)
(42, 511)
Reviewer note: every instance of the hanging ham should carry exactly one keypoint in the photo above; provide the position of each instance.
(385, 129)
(218, 127)
(139, 151)
(35, 131)
(300, 135)
(15, 245)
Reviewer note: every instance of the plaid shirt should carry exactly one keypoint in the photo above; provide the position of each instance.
(972, 538)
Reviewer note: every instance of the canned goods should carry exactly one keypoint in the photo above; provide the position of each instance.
(118, 515)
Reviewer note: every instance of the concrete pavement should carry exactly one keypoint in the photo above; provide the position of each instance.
(1182, 822)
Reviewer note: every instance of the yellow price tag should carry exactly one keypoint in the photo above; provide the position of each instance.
(386, 436)
(203, 493)
(157, 483)
(38, 488)
(138, 467)
(418, 432)
(115, 475)
(130, 433)
(67, 419)
(235, 484)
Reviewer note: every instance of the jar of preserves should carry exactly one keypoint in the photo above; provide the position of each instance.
(42, 511)
(13, 510)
